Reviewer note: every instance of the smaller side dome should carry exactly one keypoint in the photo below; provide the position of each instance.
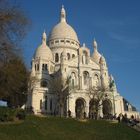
(43, 51)
(96, 56)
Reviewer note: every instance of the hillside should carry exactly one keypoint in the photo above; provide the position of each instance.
(37, 128)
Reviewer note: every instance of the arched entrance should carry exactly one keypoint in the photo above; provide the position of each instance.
(80, 107)
(93, 107)
(107, 108)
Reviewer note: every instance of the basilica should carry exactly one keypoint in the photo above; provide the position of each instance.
(61, 55)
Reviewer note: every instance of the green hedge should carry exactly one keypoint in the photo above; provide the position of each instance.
(8, 114)
(21, 114)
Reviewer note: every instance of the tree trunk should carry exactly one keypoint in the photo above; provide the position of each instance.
(61, 111)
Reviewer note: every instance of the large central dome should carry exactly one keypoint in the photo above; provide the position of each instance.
(63, 30)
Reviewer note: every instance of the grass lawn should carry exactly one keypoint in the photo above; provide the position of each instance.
(40, 128)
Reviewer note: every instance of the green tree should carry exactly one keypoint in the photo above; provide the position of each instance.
(14, 82)
(13, 72)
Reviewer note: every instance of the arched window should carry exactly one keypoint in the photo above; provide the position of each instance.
(57, 41)
(84, 58)
(86, 78)
(52, 43)
(96, 80)
(46, 67)
(43, 83)
(62, 41)
(68, 55)
(129, 107)
(67, 41)
(56, 57)
(43, 67)
(73, 55)
(35, 67)
(38, 67)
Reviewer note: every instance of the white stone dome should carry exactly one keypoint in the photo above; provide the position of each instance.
(63, 30)
(43, 51)
(96, 56)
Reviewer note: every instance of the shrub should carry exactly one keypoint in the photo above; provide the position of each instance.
(29, 110)
(21, 114)
(8, 114)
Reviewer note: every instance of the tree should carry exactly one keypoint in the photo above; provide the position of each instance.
(13, 72)
(60, 88)
(97, 94)
(13, 23)
(13, 28)
(14, 82)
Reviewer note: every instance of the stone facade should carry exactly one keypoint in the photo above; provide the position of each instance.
(62, 53)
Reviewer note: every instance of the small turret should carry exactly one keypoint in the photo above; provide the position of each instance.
(64, 66)
(104, 73)
(33, 68)
(63, 60)
(103, 62)
(96, 55)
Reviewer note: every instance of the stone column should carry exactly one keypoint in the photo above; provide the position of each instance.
(101, 109)
(72, 107)
(90, 82)
(80, 82)
(40, 66)
(67, 108)
(87, 109)
(33, 68)
(113, 105)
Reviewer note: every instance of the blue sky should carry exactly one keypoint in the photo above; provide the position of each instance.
(114, 24)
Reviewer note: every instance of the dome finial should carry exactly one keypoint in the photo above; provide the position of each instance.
(95, 44)
(84, 45)
(62, 6)
(44, 37)
(63, 14)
